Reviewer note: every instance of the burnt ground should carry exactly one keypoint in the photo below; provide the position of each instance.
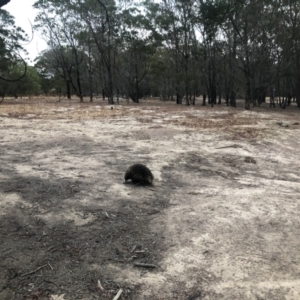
(221, 221)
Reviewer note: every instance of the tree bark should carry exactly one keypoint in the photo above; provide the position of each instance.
(204, 100)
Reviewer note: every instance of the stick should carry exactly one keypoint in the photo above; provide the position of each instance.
(34, 270)
(133, 249)
(118, 295)
(50, 266)
(131, 258)
(230, 146)
(145, 265)
(100, 287)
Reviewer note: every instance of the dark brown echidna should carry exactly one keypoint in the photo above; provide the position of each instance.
(139, 173)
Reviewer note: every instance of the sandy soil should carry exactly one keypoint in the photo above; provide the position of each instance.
(222, 220)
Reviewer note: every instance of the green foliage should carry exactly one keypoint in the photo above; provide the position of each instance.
(11, 38)
(29, 85)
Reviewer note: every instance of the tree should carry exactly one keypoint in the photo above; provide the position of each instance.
(11, 38)
(100, 18)
(29, 85)
(61, 31)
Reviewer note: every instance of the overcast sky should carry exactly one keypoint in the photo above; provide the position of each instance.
(23, 11)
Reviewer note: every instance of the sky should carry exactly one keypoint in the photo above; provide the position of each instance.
(23, 11)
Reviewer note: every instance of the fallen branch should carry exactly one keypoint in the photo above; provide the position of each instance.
(118, 295)
(34, 270)
(144, 265)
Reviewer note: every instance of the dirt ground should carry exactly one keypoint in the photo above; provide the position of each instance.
(222, 220)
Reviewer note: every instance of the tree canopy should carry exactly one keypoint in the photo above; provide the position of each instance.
(11, 37)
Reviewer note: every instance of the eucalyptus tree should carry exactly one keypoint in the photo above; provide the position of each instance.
(229, 62)
(288, 39)
(135, 47)
(160, 77)
(186, 37)
(56, 68)
(29, 85)
(135, 66)
(207, 26)
(172, 22)
(11, 39)
(60, 29)
(101, 19)
(89, 60)
(252, 22)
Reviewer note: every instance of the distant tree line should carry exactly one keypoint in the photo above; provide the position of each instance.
(175, 50)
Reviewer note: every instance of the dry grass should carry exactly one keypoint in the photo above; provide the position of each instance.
(73, 111)
(231, 120)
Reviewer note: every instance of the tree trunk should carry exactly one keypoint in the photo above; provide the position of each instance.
(103, 94)
(232, 71)
(298, 93)
(204, 100)
(187, 102)
(137, 90)
(272, 98)
(248, 96)
(78, 76)
(68, 90)
(194, 98)
(110, 86)
(233, 99)
(178, 98)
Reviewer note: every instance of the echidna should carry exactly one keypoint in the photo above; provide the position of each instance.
(139, 173)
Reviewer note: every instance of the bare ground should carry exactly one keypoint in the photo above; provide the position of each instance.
(222, 220)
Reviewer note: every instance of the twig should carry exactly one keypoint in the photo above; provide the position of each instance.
(133, 249)
(145, 265)
(130, 259)
(50, 266)
(34, 270)
(50, 248)
(100, 287)
(41, 237)
(49, 281)
(57, 249)
(230, 146)
(118, 295)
